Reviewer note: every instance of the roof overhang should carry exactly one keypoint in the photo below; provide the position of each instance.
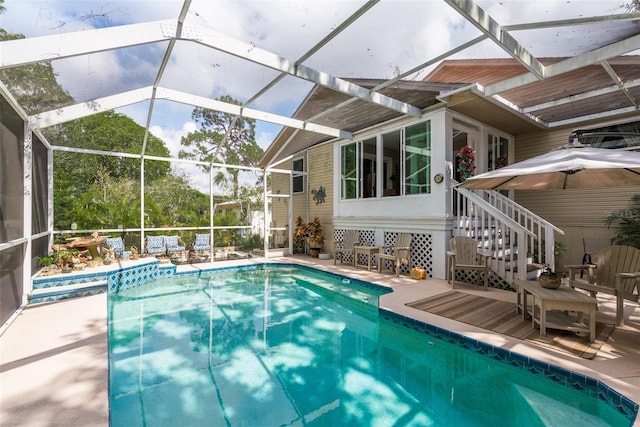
(324, 106)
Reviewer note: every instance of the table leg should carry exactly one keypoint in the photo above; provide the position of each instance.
(524, 304)
(93, 250)
(543, 319)
(592, 323)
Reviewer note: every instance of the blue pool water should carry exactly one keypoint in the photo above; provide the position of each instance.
(280, 346)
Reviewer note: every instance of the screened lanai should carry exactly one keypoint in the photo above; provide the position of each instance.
(148, 66)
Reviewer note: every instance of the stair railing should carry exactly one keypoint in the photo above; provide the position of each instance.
(510, 234)
(544, 230)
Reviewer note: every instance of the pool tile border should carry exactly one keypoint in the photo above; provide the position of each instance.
(595, 388)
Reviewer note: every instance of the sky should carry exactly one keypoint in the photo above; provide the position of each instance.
(393, 37)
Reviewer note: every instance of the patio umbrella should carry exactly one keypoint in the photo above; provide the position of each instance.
(564, 168)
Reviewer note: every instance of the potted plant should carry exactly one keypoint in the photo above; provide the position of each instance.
(315, 238)
(299, 236)
(551, 279)
(465, 163)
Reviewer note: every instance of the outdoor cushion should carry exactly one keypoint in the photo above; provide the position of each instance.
(201, 243)
(117, 245)
(173, 243)
(156, 245)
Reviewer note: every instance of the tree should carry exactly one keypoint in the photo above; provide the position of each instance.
(222, 138)
(92, 190)
(633, 6)
(34, 85)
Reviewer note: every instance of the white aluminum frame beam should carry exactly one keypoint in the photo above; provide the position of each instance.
(252, 53)
(344, 25)
(66, 114)
(571, 22)
(580, 96)
(46, 48)
(489, 27)
(589, 58)
(65, 45)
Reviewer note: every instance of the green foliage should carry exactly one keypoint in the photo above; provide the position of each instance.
(225, 237)
(171, 202)
(307, 233)
(34, 85)
(628, 221)
(222, 138)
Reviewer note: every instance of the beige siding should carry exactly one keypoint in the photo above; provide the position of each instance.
(320, 173)
(320, 168)
(579, 213)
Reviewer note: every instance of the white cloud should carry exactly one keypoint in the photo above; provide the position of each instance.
(172, 137)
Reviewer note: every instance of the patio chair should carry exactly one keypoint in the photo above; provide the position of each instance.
(117, 246)
(156, 245)
(347, 246)
(397, 254)
(173, 244)
(463, 255)
(201, 244)
(616, 272)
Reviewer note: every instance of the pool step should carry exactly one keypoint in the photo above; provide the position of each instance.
(54, 293)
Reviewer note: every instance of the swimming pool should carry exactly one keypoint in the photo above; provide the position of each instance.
(270, 346)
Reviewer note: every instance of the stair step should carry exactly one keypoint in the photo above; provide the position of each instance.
(67, 289)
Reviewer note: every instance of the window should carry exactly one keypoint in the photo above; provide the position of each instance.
(498, 152)
(401, 164)
(613, 136)
(417, 159)
(359, 169)
(298, 180)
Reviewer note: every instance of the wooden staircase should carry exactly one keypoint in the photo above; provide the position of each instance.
(519, 242)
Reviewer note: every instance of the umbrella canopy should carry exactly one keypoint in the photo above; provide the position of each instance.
(565, 168)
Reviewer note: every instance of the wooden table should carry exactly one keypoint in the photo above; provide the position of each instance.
(369, 251)
(561, 299)
(90, 243)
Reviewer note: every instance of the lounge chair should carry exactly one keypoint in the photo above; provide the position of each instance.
(463, 255)
(156, 245)
(397, 254)
(173, 244)
(117, 246)
(201, 244)
(347, 246)
(616, 272)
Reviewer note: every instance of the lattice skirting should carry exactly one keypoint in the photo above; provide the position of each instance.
(474, 277)
(421, 248)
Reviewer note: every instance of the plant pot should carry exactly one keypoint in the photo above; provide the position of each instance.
(550, 280)
(314, 252)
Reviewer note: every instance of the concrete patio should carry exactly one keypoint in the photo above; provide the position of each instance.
(53, 357)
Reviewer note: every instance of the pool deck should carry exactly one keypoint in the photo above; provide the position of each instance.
(53, 356)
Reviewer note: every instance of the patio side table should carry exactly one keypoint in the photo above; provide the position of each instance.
(369, 251)
(548, 306)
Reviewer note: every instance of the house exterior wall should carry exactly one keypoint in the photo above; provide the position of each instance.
(425, 216)
(579, 213)
(319, 173)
